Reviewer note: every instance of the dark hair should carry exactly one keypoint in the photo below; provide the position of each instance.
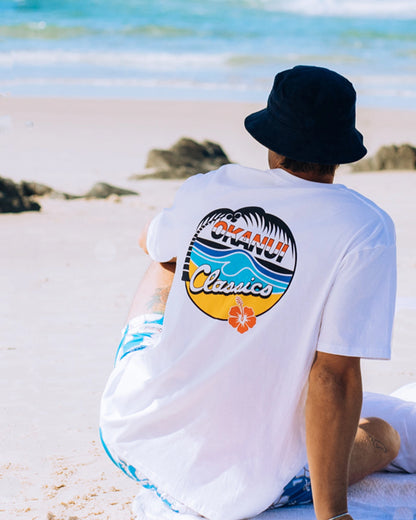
(308, 167)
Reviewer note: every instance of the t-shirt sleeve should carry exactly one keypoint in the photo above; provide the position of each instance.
(163, 232)
(161, 236)
(358, 316)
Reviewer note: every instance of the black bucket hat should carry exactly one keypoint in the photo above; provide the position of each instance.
(310, 117)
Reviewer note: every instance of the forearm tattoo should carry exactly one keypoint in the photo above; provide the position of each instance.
(157, 302)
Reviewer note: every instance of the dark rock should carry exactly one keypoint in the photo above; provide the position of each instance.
(13, 198)
(102, 190)
(17, 197)
(391, 157)
(185, 158)
(36, 189)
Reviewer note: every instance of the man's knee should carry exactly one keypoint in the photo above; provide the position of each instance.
(383, 437)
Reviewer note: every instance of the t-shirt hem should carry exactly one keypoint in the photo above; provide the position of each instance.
(173, 493)
(382, 354)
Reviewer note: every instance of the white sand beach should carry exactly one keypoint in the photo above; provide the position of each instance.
(68, 274)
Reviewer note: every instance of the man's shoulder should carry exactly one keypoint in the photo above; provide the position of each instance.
(368, 217)
(234, 169)
(226, 173)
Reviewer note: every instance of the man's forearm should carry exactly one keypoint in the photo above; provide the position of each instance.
(152, 293)
(332, 414)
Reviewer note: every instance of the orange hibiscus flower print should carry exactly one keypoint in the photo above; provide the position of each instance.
(240, 317)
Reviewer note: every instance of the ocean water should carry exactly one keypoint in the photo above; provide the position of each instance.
(204, 49)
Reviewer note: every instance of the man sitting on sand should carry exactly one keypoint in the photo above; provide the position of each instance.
(283, 281)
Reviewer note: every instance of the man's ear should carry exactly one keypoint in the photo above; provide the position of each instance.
(275, 159)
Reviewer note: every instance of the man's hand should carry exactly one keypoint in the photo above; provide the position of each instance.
(332, 414)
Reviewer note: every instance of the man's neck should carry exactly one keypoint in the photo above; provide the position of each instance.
(313, 177)
(276, 161)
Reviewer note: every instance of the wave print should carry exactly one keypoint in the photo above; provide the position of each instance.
(243, 267)
(221, 253)
(245, 275)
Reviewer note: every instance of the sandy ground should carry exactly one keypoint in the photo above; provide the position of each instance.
(68, 274)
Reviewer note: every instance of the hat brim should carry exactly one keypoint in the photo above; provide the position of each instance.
(338, 148)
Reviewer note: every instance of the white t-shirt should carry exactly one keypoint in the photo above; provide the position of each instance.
(270, 267)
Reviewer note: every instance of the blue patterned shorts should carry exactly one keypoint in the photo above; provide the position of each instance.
(297, 493)
(141, 332)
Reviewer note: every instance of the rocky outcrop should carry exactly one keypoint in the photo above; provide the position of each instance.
(185, 158)
(13, 198)
(102, 190)
(17, 197)
(402, 157)
(36, 189)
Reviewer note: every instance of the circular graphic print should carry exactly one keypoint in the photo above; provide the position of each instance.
(239, 264)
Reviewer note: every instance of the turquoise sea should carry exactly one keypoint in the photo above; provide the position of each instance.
(204, 49)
